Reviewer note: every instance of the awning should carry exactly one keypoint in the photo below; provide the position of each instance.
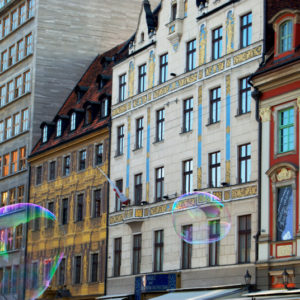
(196, 295)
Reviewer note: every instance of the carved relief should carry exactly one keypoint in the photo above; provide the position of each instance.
(265, 114)
(229, 32)
(151, 69)
(284, 174)
(202, 45)
(131, 79)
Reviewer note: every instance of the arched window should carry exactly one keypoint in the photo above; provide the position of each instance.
(285, 36)
(73, 121)
(58, 128)
(45, 134)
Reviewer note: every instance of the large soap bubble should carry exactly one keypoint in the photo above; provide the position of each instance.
(200, 218)
(38, 270)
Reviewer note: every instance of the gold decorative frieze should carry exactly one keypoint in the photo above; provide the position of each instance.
(199, 178)
(215, 68)
(228, 62)
(244, 192)
(199, 95)
(139, 213)
(121, 109)
(247, 55)
(139, 101)
(116, 219)
(218, 194)
(128, 214)
(265, 114)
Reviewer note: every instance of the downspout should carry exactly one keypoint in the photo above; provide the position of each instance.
(107, 207)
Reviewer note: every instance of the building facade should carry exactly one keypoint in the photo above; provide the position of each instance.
(45, 46)
(183, 120)
(66, 180)
(277, 90)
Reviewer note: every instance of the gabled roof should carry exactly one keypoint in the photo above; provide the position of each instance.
(90, 85)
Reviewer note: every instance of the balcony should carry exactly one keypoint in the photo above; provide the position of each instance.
(175, 31)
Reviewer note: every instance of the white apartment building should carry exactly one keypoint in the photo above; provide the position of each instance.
(182, 120)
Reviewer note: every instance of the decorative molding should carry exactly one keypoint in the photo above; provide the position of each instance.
(284, 174)
(298, 102)
(265, 114)
(215, 68)
(247, 55)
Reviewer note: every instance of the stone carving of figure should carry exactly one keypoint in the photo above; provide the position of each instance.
(229, 32)
(202, 45)
(151, 69)
(131, 79)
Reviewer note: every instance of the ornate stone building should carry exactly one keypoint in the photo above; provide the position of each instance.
(65, 179)
(45, 46)
(183, 120)
(277, 90)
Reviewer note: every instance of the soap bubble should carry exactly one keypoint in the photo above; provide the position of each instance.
(200, 218)
(39, 269)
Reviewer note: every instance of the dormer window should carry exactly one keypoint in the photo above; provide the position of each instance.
(173, 11)
(285, 36)
(58, 128)
(88, 115)
(104, 107)
(73, 121)
(142, 37)
(45, 134)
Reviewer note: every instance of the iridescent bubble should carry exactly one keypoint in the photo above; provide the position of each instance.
(200, 218)
(39, 271)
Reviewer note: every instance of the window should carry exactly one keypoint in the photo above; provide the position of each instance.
(186, 258)
(20, 50)
(286, 130)
(187, 176)
(7, 280)
(79, 208)
(217, 43)
(16, 123)
(50, 208)
(191, 55)
(8, 128)
(64, 215)
(2, 95)
(159, 183)
(244, 163)
(136, 255)
(215, 169)
(12, 196)
(104, 107)
(73, 121)
(4, 61)
(14, 162)
(82, 160)
(62, 272)
(18, 86)
(97, 204)
(28, 40)
(10, 91)
(1, 131)
(122, 87)
(117, 256)
(52, 170)
(94, 267)
(34, 275)
(22, 13)
(139, 133)
(215, 105)
(246, 30)
(158, 250)
(12, 55)
(142, 78)
(99, 154)
(245, 96)
(5, 171)
(285, 36)
(25, 119)
(14, 20)
(15, 278)
(88, 115)
(77, 274)
(66, 166)
(45, 134)
(120, 141)
(4, 197)
(160, 124)
(27, 82)
(21, 194)
(214, 234)
(173, 11)
(285, 214)
(244, 236)
(30, 5)
(19, 236)
(187, 115)
(38, 178)
(138, 189)
(163, 68)
(22, 158)
(58, 128)
(119, 184)
(6, 25)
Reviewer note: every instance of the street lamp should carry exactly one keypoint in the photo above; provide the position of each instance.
(247, 278)
(285, 278)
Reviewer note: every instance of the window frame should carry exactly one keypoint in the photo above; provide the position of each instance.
(159, 181)
(191, 50)
(160, 124)
(80, 207)
(283, 127)
(64, 173)
(247, 233)
(214, 166)
(97, 155)
(96, 205)
(215, 105)
(142, 75)
(138, 188)
(51, 171)
(120, 140)
(247, 159)
(158, 247)
(117, 257)
(214, 248)
(77, 275)
(82, 159)
(136, 254)
(186, 248)
(245, 29)
(65, 211)
(122, 87)
(163, 68)
(187, 176)
(139, 136)
(38, 175)
(244, 96)
(93, 268)
(289, 35)
(217, 43)
(118, 204)
(188, 108)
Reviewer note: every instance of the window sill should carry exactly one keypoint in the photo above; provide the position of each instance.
(211, 124)
(17, 63)
(15, 99)
(248, 113)
(137, 149)
(13, 137)
(14, 174)
(186, 132)
(118, 155)
(292, 152)
(158, 142)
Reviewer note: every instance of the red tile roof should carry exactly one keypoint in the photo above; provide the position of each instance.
(102, 65)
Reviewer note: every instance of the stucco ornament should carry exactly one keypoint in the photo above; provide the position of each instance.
(284, 174)
(151, 69)
(202, 45)
(230, 32)
(265, 114)
(131, 79)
